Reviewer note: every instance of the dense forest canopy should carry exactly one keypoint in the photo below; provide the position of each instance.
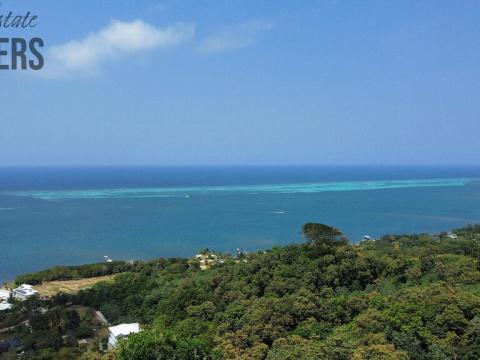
(397, 297)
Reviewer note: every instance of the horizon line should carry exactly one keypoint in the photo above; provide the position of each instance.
(234, 165)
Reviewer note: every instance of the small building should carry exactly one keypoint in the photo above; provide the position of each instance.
(5, 306)
(24, 291)
(5, 295)
(120, 332)
(207, 259)
(83, 342)
(12, 344)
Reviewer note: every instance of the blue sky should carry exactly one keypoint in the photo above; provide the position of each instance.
(245, 82)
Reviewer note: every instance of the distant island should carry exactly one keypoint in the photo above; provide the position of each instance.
(395, 297)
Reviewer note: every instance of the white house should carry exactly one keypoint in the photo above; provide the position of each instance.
(121, 331)
(5, 295)
(24, 291)
(5, 306)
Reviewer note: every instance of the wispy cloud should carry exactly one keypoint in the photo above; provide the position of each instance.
(80, 57)
(236, 37)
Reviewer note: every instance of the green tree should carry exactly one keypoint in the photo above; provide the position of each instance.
(323, 237)
(152, 345)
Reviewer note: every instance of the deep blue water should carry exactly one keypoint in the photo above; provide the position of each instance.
(64, 216)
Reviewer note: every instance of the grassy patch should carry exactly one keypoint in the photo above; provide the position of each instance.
(50, 288)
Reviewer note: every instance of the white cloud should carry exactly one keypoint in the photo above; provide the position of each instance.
(79, 57)
(236, 37)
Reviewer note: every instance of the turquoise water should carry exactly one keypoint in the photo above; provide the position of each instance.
(58, 216)
(237, 189)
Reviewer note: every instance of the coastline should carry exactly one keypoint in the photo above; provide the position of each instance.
(318, 288)
(77, 226)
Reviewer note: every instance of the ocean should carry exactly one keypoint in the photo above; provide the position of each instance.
(66, 216)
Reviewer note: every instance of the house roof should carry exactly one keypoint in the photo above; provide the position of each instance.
(11, 343)
(4, 294)
(124, 329)
(5, 306)
(25, 290)
(25, 286)
(15, 342)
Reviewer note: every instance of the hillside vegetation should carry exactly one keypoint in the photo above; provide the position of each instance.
(399, 297)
